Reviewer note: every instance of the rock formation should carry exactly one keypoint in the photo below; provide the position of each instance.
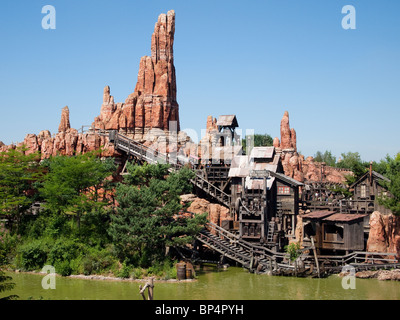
(216, 212)
(145, 116)
(153, 104)
(294, 164)
(384, 233)
(64, 123)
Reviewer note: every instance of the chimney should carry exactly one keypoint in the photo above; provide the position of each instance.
(370, 173)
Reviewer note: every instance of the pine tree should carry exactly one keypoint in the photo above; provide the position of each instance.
(149, 217)
(5, 285)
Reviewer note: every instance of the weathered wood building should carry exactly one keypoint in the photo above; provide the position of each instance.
(266, 201)
(366, 191)
(334, 231)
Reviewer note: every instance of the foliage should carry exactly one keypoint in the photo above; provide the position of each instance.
(392, 172)
(32, 255)
(260, 140)
(352, 161)
(293, 249)
(148, 217)
(326, 157)
(5, 285)
(17, 173)
(72, 184)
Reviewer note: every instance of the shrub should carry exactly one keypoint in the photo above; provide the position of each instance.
(97, 261)
(64, 250)
(63, 268)
(33, 255)
(125, 271)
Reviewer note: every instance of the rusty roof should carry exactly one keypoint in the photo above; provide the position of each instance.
(345, 217)
(318, 214)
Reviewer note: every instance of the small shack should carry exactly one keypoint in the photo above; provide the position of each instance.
(334, 231)
(226, 130)
(343, 231)
(312, 227)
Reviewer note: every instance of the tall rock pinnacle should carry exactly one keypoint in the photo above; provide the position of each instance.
(64, 123)
(288, 136)
(153, 104)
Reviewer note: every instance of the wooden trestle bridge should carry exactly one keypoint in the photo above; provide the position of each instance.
(252, 256)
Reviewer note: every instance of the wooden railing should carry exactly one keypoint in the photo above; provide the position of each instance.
(152, 156)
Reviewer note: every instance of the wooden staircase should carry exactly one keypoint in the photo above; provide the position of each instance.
(149, 155)
(248, 255)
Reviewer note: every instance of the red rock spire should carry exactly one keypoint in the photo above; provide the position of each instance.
(153, 103)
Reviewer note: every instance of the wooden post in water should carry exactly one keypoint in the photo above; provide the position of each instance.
(150, 286)
(315, 256)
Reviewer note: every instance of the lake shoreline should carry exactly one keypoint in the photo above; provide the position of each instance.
(106, 278)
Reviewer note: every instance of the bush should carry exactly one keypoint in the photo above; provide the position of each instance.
(125, 271)
(63, 268)
(97, 261)
(33, 255)
(64, 250)
(8, 243)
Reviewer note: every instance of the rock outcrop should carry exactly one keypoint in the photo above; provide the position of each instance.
(153, 104)
(216, 212)
(145, 115)
(64, 123)
(296, 166)
(384, 233)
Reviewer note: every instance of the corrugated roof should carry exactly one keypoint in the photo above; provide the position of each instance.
(264, 166)
(345, 217)
(226, 153)
(238, 172)
(262, 153)
(287, 179)
(227, 121)
(258, 184)
(318, 214)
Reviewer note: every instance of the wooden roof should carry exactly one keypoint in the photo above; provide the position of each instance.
(345, 217)
(318, 214)
(227, 121)
(375, 175)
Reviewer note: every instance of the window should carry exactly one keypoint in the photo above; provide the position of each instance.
(363, 193)
(333, 233)
(283, 190)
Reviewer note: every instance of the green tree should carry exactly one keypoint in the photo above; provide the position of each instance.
(260, 140)
(17, 174)
(326, 157)
(352, 161)
(392, 172)
(73, 184)
(149, 218)
(6, 285)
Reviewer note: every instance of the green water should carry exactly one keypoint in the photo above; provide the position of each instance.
(232, 284)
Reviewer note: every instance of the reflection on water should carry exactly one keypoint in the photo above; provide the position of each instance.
(212, 284)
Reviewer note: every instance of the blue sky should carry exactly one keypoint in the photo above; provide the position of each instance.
(254, 59)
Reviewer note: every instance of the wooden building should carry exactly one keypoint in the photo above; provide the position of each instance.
(226, 135)
(266, 201)
(312, 227)
(366, 192)
(344, 232)
(334, 231)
